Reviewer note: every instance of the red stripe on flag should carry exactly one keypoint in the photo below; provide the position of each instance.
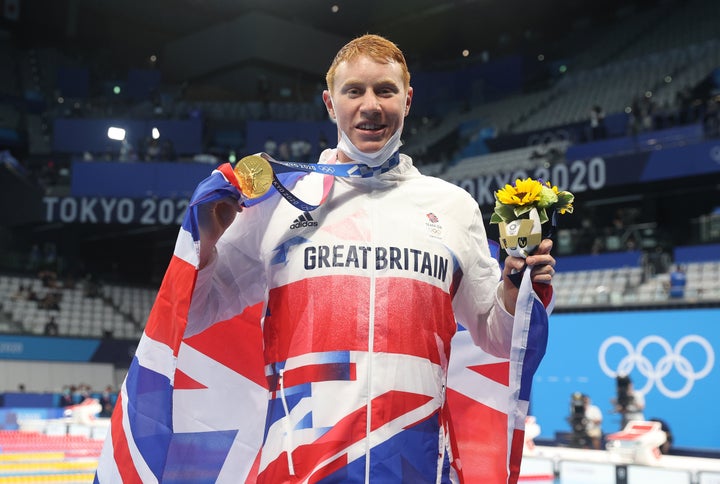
(121, 451)
(333, 466)
(544, 292)
(391, 405)
(183, 382)
(168, 317)
(498, 372)
(227, 170)
(427, 306)
(516, 451)
(236, 343)
(252, 477)
(317, 373)
(342, 435)
(289, 329)
(480, 436)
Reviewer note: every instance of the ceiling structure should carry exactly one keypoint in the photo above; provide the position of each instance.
(228, 42)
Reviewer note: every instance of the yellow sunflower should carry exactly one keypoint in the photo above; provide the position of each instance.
(525, 192)
(515, 202)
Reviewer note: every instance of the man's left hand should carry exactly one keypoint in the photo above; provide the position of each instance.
(542, 269)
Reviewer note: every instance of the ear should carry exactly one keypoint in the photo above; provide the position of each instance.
(328, 103)
(408, 100)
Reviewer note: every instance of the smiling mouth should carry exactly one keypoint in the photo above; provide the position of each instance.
(370, 127)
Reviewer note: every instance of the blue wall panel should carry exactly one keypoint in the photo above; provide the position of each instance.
(670, 356)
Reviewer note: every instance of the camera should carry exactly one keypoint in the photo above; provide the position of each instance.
(577, 421)
(623, 395)
(577, 405)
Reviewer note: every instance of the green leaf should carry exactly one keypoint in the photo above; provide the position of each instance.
(543, 215)
(522, 210)
(495, 218)
(565, 198)
(505, 212)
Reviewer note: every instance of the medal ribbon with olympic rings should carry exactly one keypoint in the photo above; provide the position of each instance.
(255, 175)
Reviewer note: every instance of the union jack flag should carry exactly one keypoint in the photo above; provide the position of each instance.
(193, 407)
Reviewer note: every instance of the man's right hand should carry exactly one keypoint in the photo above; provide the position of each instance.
(213, 219)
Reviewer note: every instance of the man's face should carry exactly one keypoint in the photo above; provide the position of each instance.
(369, 102)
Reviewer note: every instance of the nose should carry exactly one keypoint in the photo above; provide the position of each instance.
(370, 102)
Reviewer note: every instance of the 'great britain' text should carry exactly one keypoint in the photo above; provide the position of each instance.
(390, 258)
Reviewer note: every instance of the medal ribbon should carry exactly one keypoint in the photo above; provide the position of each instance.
(346, 170)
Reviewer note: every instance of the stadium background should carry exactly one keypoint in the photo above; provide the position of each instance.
(502, 89)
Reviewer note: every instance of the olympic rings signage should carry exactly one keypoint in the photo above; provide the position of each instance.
(656, 371)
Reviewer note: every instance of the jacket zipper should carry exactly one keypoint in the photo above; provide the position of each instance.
(371, 338)
(441, 439)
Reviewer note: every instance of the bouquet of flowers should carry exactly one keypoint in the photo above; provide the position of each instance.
(521, 209)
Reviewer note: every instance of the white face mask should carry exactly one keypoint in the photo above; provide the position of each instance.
(371, 159)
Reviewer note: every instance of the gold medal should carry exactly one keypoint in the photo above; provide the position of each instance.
(254, 175)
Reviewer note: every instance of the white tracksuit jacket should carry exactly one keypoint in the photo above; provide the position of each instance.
(360, 300)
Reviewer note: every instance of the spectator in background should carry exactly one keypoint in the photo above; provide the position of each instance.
(270, 147)
(106, 402)
(300, 150)
(66, 398)
(92, 286)
(35, 258)
(630, 404)
(51, 327)
(50, 301)
(80, 392)
(678, 280)
(167, 151)
(593, 422)
(284, 151)
(48, 278)
(597, 123)
(127, 151)
(684, 100)
(50, 253)
(21, 294)
(152, 149)
(711, 119)
(634, 120)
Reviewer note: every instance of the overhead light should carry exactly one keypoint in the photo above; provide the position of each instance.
(155, 133)
(115, 133)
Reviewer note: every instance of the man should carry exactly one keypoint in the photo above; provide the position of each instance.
(678, 281)
(593, 422)
(350, 308)
(630, 403)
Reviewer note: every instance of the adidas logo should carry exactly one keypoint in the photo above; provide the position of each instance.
(304, 220)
